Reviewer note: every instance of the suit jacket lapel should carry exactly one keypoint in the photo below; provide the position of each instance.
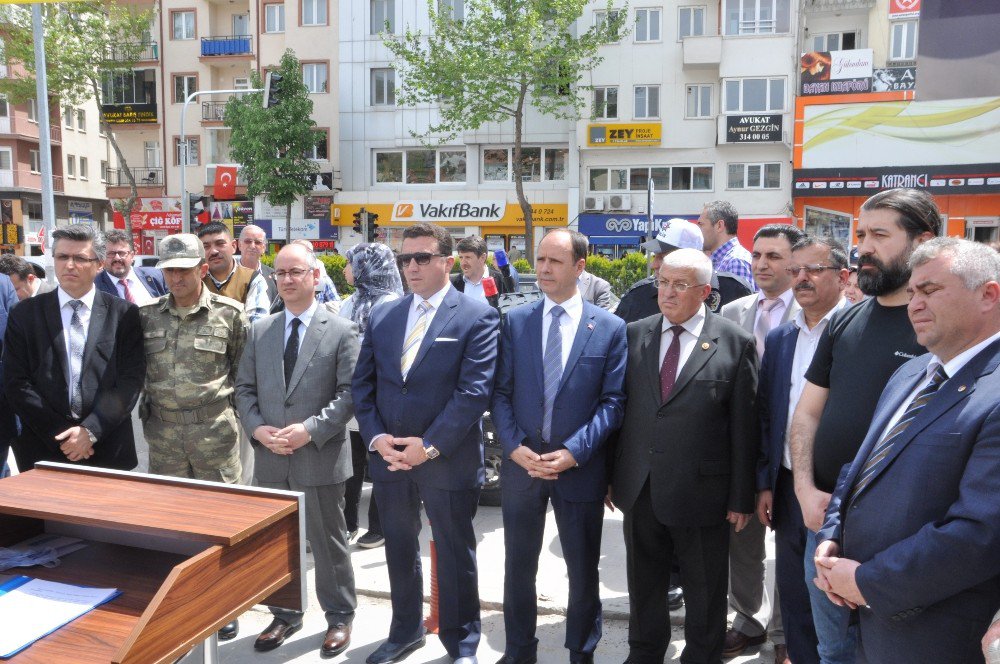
(583, 334)
(393, 330)
(651, 353)
(272, 347)
(533, 330)
(57, 338)
(790, 311)
(310, 342)
(704, 349)
(749, 317)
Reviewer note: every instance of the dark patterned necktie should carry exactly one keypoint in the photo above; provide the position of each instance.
(292, 351)
(77, 341)
(668, 370)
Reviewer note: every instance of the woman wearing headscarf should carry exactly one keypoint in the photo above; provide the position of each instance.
(371, 269)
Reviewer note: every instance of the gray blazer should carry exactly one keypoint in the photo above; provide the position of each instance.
(319, 396)
(743, 311)
(595, 290)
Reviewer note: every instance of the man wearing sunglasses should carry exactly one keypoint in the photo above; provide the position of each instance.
(73, 363)
(423, 381)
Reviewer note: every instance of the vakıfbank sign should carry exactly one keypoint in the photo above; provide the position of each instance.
(454, 213)
(435, 211)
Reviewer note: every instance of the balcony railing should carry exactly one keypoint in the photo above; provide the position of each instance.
(134, 52)
(213, 111)
(27, 179)
(22, 126)
(144, 176)
(231, 45)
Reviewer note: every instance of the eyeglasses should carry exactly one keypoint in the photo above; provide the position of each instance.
(811, 270)
(677, 286)
(118, 254)
(70, 258)
(422, 258)
(295, 273)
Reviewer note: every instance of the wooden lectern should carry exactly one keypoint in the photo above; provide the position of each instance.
(188, 556)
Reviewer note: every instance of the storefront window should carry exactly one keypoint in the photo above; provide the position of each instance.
(419, 166)
(531, 164)
(555, 163)
(495, 166)
(388, 167)
(451, 166)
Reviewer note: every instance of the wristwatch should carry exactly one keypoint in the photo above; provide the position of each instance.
(431, 452)
(93, 438)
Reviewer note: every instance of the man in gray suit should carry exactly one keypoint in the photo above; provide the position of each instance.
(293, 392)
(595, 290)
(754, 601)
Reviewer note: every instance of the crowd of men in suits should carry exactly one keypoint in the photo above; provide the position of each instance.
(867, 436)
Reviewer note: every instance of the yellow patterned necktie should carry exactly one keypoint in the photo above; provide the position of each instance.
(413, 339)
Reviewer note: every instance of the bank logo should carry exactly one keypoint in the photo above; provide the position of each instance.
(618, 225)
(404, 210)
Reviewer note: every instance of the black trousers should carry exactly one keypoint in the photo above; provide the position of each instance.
(703, 555)
(790, 535)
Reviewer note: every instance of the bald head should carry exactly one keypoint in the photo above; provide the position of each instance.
(296, 275)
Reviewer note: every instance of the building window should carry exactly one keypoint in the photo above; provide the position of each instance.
(321, 150)
(757, 17)
(70, 166)
(182, 23)
(835, 41)
(313, 12)
(274, 17)
(665, 178)
(81, 119)
(538, 164)
(194, 151)
(647, 24)
(602, 16)
(383, 87)
(755, 95)
(606, 102)
(184, 85)
(420, 166)
(383, 11)
(104, 171)
(453, 9)
(690, 22)
(36, 161)
(68, 116)
(83, 168)
(647, 101)
(129, 87)
(33, 110)
(314, 75)
(699, 101)
(754, 176)
(4, 107)
(904, 40)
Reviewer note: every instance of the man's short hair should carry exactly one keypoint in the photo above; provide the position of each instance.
(838, 257)
(252, 227)
(423, 229)
(11, 264)
(214, 228)
(972, 262)
(691, 259)
(918, 213)
(117, 236)
(725, 211)
(578, 241)
(791, 233)
(82, 233)
(472, 244)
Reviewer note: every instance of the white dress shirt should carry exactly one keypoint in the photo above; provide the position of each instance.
(136, 286)
(693, 325)
(66, 314)
(475, 288)
(569, 322)
(305, 317)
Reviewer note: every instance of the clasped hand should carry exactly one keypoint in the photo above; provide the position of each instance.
(543, 466)
(836, 576)
(282, 441)
(401, 453)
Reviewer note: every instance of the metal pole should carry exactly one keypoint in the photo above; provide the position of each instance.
(44, 137)
(185, 210)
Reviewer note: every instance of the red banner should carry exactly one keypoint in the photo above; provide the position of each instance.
(904, 8)
(225, 183)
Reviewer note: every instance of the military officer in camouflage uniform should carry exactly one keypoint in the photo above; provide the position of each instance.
(193, 340)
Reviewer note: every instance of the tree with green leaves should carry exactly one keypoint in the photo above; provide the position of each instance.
(85, 42)
(500, 58)
(274, 145)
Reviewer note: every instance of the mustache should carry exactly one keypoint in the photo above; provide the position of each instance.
(805, 285)
(868, 259)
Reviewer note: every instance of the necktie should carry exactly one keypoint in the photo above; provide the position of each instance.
(668, 370)
(879, 453)
(77, 340)
(125, 288)
(292, 351)
(763, 325)
(552, 370)
(413, 339)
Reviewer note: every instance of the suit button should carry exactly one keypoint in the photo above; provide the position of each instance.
(403, 390)
(538, 431)
(288, 404)
(660, 416)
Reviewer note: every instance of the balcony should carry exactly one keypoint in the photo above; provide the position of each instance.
(702, 51)
(213, 111)
(25, 128)
(135, 52)
(25, 179)
(234, 45)
(837, 5)
(144, 176)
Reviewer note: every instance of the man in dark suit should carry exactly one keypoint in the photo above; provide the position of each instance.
(819, 266)
(423, 381)
(912, 531)
(558, 398)
(138, 285)
(472, 255)
(685, 460)
(74, 364)
(22, 276)
(307, 354)
(8, 423)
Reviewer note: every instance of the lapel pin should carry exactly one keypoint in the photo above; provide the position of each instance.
(961, 388)
(704, 345)
(590, 326)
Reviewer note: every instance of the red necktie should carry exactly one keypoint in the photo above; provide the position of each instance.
(668, 371)
(128, 293)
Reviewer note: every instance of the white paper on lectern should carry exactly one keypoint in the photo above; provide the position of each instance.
(38, 608)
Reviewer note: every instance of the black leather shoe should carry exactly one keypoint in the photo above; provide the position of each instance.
(675, 598)
(394, 652)
(229, 631)
(275, 635)
(533, 659)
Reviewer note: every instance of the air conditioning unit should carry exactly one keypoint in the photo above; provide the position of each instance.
(620, 202)
(593, 202)
(640, 206)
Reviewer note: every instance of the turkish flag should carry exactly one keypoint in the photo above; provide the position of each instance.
(225, 183)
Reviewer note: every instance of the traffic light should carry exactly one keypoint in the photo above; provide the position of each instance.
(372, 226)
(357, 221)
(195, 206)
(272, 89)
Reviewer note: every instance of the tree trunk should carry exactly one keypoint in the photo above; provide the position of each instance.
(127, 204)
(288, 224)
(529, 228)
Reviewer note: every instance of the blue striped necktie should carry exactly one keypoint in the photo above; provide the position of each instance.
(879, 454)
(552, 366)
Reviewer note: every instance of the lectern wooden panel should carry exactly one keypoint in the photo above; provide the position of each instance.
(188, 557)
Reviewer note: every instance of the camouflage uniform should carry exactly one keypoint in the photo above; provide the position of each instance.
(191, 363)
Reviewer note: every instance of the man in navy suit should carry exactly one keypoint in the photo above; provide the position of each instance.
(138, 285)
(559, 396)
(912, 531)
(422, 383)
(8, 424)
(818, 269)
